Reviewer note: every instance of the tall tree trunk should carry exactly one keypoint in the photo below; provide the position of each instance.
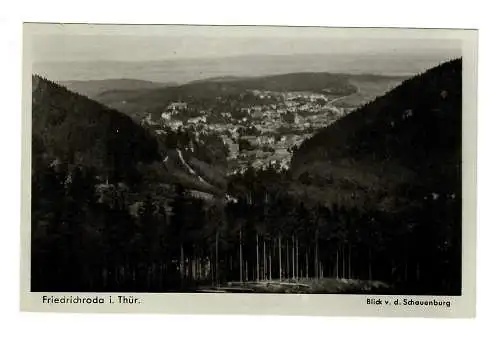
(297, 256)
(406, 269)
(279, 253)
(193, 269)
(287, 261)
(316, 258)
(337, 262)
(195, 266)
(198, 268)
(293, 257)
(370, 264)
(307, 263)
(343, 261)
(211, 266)
(246, 270)
(216, 265)
(182, 262)
(349, 275)
(270, 261)
(241, 259)
(257, 250)
(265, 261)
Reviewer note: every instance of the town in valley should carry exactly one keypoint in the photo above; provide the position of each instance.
(262, 133)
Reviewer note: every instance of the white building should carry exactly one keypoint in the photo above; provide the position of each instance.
(166, 116)
(177, 106)
(197, 120)
(266, 140)
(175, 124)
(296, 119)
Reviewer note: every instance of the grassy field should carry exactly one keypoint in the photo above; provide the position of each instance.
(368, 90)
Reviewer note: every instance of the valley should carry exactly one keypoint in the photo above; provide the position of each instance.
(302, 183)
(261, 121)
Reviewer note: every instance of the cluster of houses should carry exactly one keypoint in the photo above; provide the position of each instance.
(298, 111)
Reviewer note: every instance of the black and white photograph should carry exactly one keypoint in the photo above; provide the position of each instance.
(250, 159)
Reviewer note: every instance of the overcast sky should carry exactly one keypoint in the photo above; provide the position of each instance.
(141, 43)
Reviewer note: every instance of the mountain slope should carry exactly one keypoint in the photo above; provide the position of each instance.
(75, 129)
(406, 141)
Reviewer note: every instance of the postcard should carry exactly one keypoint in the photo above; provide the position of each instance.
(190, 169)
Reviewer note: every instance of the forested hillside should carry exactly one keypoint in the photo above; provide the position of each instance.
(70, 128)
(403, 142)
(100, 184)
(397, 162)
(80, 131)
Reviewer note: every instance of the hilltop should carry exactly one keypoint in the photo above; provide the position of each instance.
(92, 88)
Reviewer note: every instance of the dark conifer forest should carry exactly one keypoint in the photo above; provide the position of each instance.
(371, 204)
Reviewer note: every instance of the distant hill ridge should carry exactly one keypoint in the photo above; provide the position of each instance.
(155, 100)
(187, 70)
(356, 76)
(91, 88)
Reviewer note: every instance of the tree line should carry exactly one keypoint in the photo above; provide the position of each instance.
(81, 242)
